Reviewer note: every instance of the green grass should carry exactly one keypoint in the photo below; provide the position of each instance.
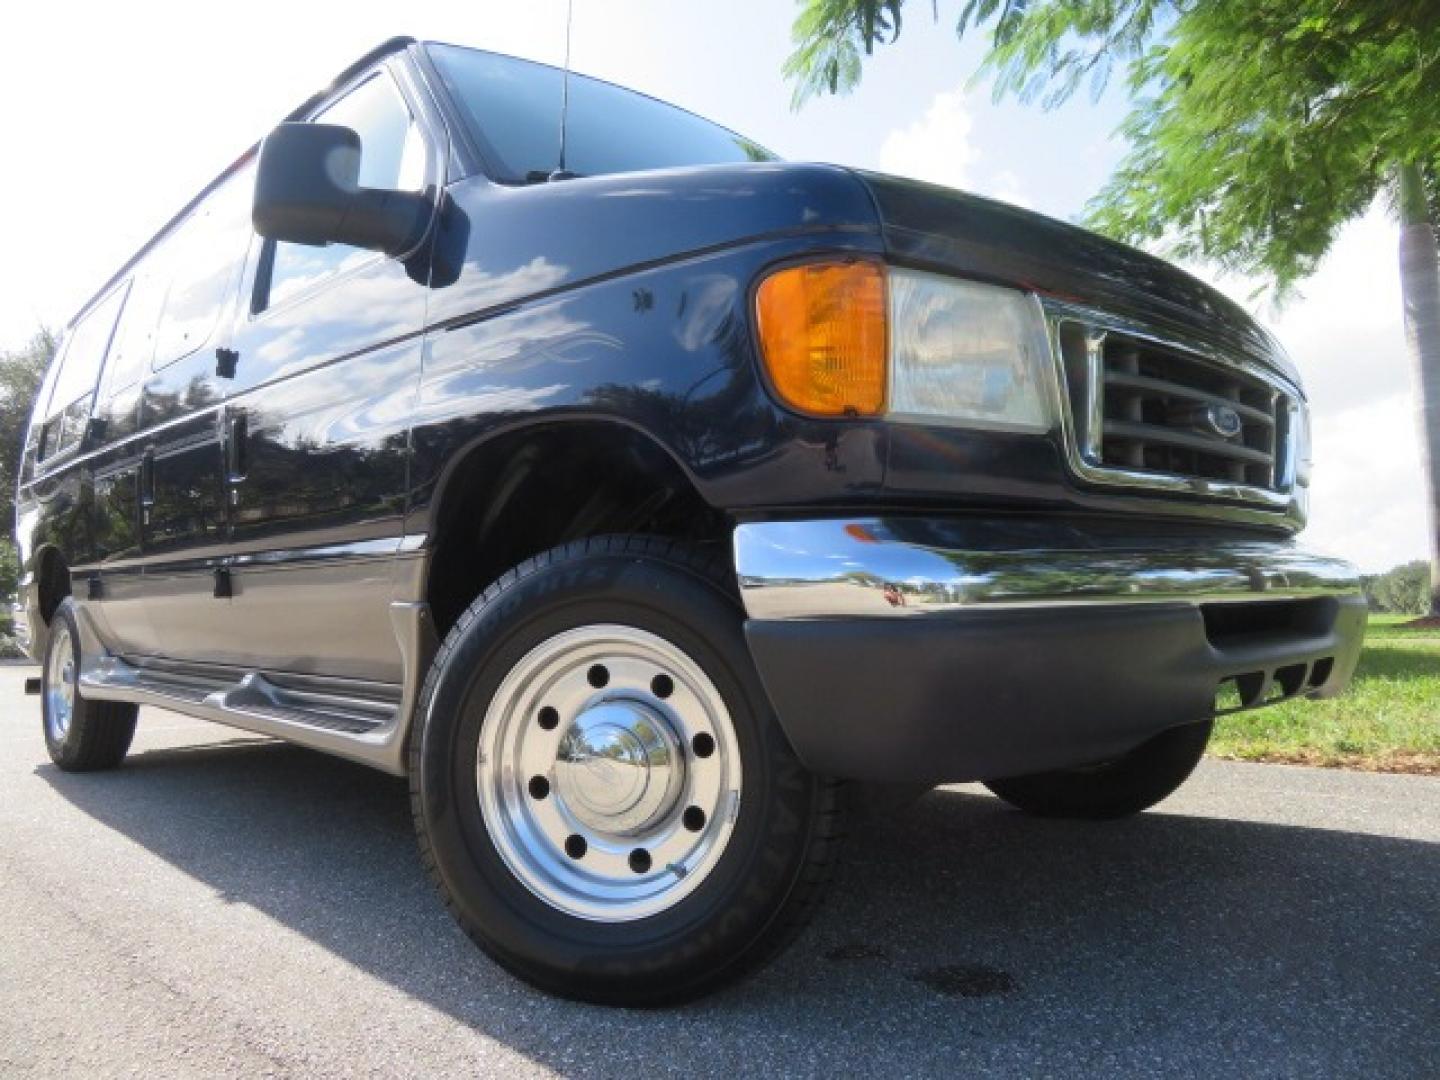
(1389, 718)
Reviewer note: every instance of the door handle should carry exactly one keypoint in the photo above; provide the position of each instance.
(237, 434)
(147, 484)
(226, 360)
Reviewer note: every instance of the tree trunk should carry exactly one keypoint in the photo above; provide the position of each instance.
(1420, 290)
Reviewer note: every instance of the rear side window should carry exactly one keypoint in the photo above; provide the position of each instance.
(392, 157)
(202, 259)
(134, 343)
(72, 387)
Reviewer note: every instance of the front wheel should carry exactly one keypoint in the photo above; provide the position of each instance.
(1133, 782)
(601, 792)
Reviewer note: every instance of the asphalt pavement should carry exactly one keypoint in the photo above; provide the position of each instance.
(228, 905)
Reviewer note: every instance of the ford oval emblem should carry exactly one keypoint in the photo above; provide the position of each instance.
(1223, 421)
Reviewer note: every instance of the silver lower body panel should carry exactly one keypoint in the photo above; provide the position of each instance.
(364, 721)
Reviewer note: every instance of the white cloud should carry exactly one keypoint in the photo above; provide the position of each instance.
(941, 148)
(1009, 188)
(1366, 499)
(1346, 328)
(937, 147)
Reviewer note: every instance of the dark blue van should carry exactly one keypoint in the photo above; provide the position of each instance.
(637, 498)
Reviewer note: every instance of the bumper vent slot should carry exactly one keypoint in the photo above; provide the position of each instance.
(1253, 689)
(1143, 408)
(1246, 634)
(1239, 626)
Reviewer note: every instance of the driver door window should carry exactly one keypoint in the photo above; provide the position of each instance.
(392, 157)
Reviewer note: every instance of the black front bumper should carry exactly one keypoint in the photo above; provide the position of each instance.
(893, 660)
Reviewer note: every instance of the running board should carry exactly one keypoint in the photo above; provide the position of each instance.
(362, 721)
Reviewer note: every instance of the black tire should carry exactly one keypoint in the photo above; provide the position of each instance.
(98, 733)
(770, 875)
(1127, 785)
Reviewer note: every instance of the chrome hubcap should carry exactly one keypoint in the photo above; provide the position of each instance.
(608, 773)
(59, 683)
(620, 768)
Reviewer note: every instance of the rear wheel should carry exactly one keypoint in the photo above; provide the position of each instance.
(1126, 785)
(80, 735)
(602, 795)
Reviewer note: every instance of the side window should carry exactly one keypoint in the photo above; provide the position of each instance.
(40, 412)
(72, 388)
(392, 157)
(202, 259)
(134, 344)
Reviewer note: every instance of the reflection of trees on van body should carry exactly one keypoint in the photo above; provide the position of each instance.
(162, 405)
(293, 474)
(117, 499)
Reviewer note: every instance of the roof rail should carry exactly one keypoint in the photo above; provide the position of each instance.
(384, 49)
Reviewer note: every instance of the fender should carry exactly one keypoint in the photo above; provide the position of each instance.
(666, 351)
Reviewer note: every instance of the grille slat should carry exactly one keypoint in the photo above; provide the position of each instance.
(1165, 388)
(1154, 433)
(1146, 408)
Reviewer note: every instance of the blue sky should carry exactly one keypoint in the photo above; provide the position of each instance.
(109, 130)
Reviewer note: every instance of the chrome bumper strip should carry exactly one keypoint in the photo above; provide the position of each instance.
(886, 567)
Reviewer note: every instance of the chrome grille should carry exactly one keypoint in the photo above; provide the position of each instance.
(1145, 408)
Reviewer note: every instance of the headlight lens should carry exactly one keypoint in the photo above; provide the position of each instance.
(967, 353)
(855, 338)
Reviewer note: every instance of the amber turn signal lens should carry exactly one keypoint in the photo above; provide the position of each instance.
(822, 334)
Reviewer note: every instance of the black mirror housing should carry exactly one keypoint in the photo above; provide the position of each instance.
(307, 191)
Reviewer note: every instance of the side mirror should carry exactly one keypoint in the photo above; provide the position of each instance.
(307, 191)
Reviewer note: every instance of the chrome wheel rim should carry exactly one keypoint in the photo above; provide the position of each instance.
(59, 684)
(608, 773)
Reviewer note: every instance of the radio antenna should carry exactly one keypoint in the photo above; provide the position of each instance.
(561, 173)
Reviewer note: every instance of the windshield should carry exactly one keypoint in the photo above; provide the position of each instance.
(513, 111)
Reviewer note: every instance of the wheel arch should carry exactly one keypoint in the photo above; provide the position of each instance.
(529, 488)
(44, 583)
(52, 581)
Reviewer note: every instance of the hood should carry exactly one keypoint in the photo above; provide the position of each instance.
(953, 232)
(515, 243)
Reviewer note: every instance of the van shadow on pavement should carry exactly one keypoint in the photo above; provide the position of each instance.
(958, 932)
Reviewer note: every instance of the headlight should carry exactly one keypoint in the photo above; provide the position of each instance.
(858, 339)
(966, 353)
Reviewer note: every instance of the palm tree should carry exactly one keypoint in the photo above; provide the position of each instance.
(1420, 288)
